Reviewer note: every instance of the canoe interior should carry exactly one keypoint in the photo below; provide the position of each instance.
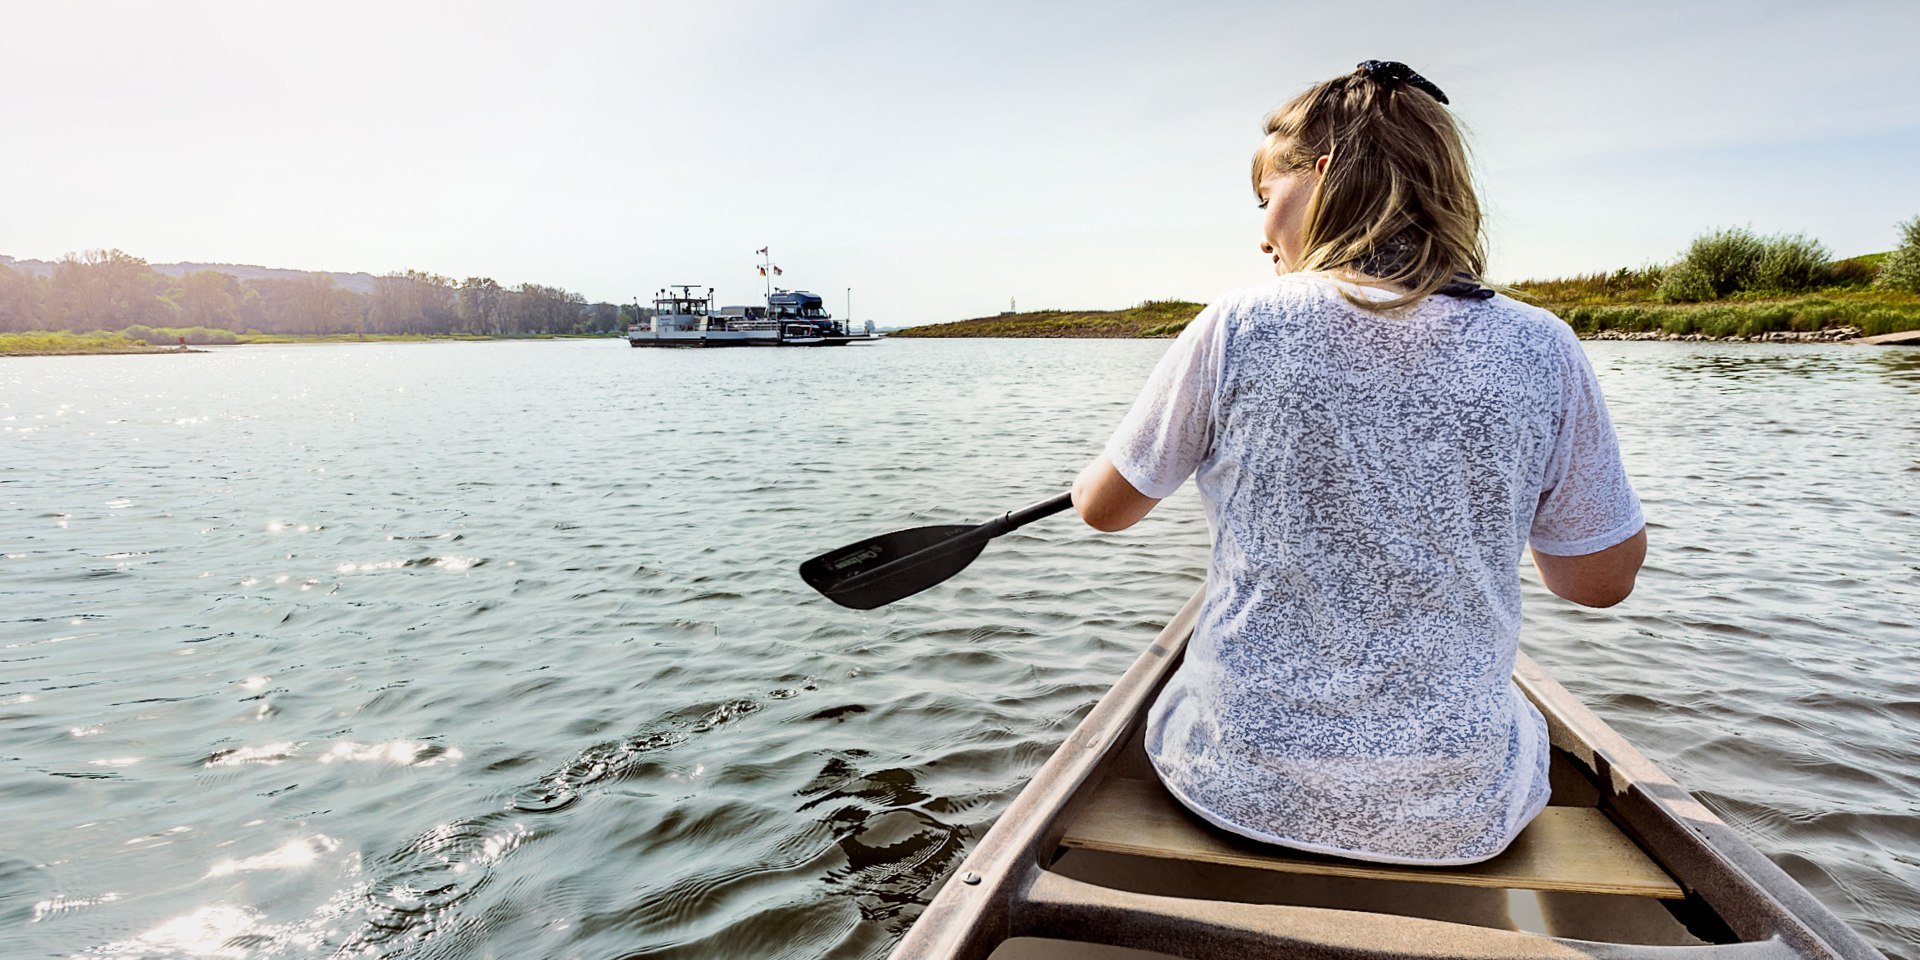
(1586, 916)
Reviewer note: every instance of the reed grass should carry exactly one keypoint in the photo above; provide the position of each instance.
(1871, 316)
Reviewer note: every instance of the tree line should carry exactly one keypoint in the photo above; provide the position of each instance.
(110, 290)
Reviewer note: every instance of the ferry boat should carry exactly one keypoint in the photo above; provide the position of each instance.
(790, 318)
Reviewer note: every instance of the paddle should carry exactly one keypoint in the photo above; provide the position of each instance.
(877, 571)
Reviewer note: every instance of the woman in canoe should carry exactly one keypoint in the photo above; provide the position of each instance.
(1377, 437)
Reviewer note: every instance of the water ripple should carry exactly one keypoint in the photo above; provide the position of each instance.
(514, 661)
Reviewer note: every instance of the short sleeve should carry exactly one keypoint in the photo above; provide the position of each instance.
(1169, 431)
(1586, 502)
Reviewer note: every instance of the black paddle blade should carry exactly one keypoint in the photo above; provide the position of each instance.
(866, 574)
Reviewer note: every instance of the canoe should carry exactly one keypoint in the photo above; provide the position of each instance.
(1095, 860)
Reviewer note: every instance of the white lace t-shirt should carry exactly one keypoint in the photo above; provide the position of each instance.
(1371, 482)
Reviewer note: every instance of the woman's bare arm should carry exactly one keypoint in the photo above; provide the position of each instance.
(1595, 579)
(1106, 500)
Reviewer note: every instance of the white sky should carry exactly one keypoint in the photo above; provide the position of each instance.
(938, 159)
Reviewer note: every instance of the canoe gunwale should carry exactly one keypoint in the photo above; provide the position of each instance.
(1003, 888)
(1718, 867)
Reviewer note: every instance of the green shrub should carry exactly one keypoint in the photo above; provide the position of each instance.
(1792, 262)
(1686, 282)
(1729, 259)
(1734, 261)
(1901, 269)
(1855, 271)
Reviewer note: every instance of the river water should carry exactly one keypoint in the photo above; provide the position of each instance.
(497, 649)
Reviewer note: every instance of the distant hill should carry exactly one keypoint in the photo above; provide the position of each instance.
(1153, 318)
(357, 282)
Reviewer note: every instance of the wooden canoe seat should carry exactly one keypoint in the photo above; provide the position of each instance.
(1573, 849)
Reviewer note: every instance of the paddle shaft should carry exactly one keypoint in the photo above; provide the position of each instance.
(1015, 519)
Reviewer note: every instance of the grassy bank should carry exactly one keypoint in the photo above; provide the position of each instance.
(62, 344)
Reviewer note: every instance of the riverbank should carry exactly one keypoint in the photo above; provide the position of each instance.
(1812, 319)
(39, 343)
(1829, 317)
(75, 345)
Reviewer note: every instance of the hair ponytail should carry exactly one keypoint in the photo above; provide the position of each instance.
(1397, 201)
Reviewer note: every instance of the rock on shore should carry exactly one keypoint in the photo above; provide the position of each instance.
(1829, 335)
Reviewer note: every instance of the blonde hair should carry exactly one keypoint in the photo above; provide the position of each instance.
(1396, 195)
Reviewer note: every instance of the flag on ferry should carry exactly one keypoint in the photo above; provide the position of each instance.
(761, 250)
(776, 271)
(763, 271)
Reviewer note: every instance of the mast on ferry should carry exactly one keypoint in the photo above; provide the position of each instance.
(767, 272)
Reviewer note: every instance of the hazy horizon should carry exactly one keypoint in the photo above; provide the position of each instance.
(936, 161)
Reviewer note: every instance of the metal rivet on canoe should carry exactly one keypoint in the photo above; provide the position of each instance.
(970, 877)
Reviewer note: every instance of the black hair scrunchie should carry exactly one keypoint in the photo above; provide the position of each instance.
(1391, 73)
